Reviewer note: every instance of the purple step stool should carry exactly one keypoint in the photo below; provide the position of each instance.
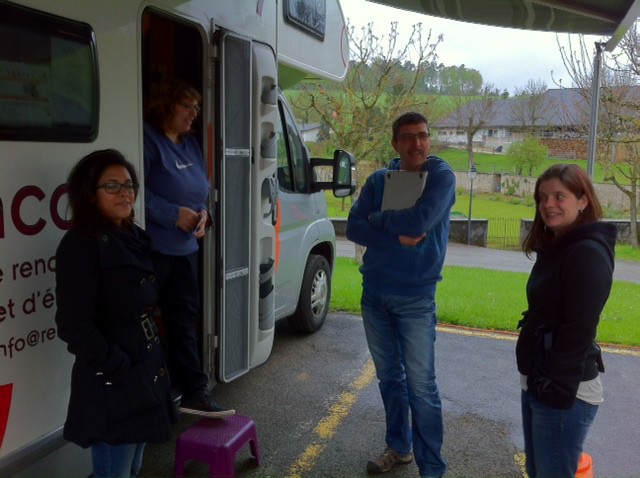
(216, 441)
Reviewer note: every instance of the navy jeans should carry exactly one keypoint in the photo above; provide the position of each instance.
(401, 333)
(179, 303)
(116, 461)
(553, 438)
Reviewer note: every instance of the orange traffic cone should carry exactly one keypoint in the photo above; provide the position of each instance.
(585, 466)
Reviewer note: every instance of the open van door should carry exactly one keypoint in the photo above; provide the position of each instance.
(245, 217)
(233, 226)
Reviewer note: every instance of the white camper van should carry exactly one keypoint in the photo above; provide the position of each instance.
(74, 78)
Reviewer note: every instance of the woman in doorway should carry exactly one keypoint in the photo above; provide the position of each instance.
(176, 191)
(105, 286)
(557, 355)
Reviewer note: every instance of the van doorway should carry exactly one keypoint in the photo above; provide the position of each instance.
(173, 48)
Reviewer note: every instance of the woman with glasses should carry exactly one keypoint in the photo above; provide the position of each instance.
(106, 291)
(176, 191)
(558, 358)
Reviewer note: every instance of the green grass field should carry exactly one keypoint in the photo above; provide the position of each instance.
(496, 207)
(484, 206)
(503, 163)
(493, 300)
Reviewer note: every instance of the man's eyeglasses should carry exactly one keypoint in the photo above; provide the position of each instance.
(406, 137)
(114, 187)
(191, 107)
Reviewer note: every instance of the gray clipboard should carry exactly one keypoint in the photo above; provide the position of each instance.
(402, 189)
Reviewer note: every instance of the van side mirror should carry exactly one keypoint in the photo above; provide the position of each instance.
(343, 181)
(344, 165)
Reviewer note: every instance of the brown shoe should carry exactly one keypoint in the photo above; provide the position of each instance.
(387, 460)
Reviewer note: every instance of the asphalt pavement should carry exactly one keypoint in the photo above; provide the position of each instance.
(318, 411)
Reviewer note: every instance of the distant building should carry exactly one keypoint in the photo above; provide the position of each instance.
(311, 132)
(558, 114)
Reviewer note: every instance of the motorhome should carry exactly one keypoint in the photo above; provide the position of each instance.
(74, 78)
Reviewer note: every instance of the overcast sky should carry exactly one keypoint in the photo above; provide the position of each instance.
(506, 57)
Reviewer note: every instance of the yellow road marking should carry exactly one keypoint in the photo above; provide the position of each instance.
(512, 336)
(520, 459)
(328, 425)
(477, 333)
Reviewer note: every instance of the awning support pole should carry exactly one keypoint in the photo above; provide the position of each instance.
(595, 107)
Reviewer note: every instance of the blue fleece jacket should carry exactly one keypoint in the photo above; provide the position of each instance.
(389, 267)
(174, 177)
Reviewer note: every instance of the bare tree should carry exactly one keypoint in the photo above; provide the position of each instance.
(382, 82)
(620, 140)
(618, 151)
(472, 116)
(530, 109)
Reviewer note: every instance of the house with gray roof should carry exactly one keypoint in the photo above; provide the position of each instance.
(557, 113)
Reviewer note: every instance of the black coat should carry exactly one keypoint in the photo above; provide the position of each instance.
(566, 292)
(120, 391)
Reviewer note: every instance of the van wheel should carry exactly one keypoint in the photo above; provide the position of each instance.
(315, 295)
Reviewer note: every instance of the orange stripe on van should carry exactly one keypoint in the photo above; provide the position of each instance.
(278, 226)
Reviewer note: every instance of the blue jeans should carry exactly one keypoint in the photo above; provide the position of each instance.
(116, 461)
(553, 438)
(401, 333)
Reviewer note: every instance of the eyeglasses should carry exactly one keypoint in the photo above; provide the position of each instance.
(406, 137)
(114, 187)
(191, 107)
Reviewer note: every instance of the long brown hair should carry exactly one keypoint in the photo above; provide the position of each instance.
(575, 180)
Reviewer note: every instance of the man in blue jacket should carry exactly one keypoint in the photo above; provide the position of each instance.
(405, 251)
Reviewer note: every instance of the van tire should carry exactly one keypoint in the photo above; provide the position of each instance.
(315, 295)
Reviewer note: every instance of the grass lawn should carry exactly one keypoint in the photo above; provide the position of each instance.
(484, 206)
(491, 299)
(494, 300)
(488, 163)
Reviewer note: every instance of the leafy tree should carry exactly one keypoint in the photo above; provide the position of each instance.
(528, 154)
(460, 80)
(431, 77)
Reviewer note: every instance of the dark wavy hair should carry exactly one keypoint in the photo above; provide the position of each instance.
(576, 180)
(82, 184)
(164, 97)
(407, 118)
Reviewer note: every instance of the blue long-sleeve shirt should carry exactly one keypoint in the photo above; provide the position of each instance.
(389, 267)
(174, 177)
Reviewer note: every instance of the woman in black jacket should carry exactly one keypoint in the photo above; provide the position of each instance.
(556, 351)
(105, 286)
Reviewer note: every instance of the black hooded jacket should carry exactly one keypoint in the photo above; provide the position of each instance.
(566, 292)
